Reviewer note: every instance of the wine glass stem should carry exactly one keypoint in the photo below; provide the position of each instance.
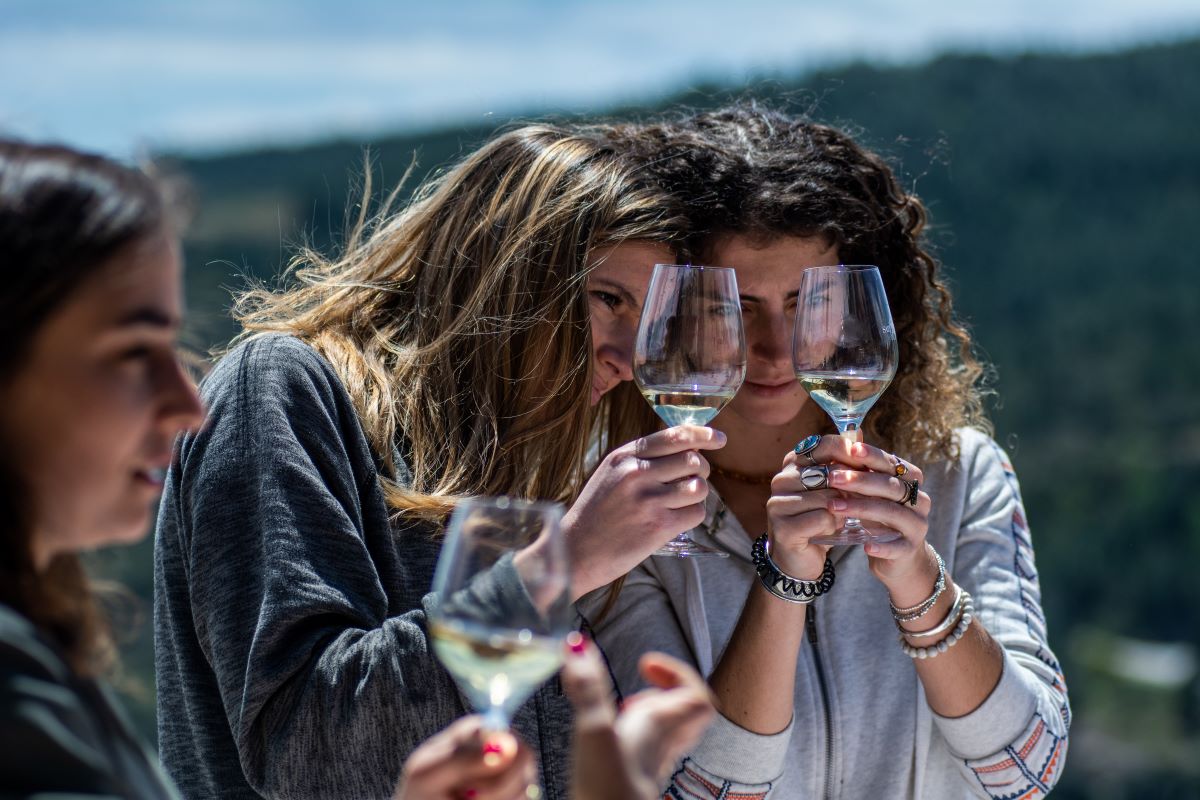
(850, 429)
(494, 719)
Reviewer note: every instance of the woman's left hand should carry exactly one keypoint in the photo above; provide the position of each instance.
(874, 493)
(467, 761)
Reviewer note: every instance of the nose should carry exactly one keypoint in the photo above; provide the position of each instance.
(770, 339)
(614, 350)
(180, 406)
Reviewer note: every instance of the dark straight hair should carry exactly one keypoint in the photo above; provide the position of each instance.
(63, 216)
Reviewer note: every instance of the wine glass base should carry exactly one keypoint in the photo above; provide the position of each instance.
(683, 547)
(856, 536)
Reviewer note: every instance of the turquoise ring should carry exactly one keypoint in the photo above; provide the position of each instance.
(806, 447)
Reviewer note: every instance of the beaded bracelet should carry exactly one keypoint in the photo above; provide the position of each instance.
(934, 650)
(922, 608)
(784, 586)
(947, 622)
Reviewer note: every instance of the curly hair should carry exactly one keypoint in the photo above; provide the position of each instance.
(751, 171)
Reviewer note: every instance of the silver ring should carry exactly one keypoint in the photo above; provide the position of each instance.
(806, 447)
(813, 478)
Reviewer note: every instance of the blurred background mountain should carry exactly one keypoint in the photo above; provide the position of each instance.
(1065, 197)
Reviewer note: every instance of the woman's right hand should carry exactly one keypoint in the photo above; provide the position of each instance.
(642, 494)
(796, 515)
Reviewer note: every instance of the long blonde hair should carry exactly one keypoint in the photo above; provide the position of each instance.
(459, 327)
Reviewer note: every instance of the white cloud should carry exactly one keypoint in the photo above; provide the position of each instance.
(225, 71)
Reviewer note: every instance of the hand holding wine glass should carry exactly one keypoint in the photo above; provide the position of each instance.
(467, 760)
(690, 354)
(503, 606)
(845, 354)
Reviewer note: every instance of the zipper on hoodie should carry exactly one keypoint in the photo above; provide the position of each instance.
(826, 711)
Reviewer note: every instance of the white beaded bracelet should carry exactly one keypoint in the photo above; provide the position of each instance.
(934, 650)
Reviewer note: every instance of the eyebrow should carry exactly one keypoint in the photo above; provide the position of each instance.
(148, 316)
(620, 290)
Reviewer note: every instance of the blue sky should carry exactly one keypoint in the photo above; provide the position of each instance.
(127, 75)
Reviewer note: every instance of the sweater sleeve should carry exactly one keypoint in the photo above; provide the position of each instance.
(326, 685)
(728, 761)
(1015, 743)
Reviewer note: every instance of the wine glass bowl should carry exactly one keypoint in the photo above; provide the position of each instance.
(845, 354)
(502, 604)
(690, 354)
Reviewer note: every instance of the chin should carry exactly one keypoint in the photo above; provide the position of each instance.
(766, 414)
(130, 528)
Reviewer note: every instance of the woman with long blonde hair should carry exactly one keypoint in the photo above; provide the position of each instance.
(817, 698)
(463, 346)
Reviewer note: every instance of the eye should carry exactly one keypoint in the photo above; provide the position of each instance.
(820, 299)
(608, 298)
(138, 353)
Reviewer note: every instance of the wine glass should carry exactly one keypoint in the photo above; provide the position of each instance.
(690, 355)
(502, 609)
(845, 354)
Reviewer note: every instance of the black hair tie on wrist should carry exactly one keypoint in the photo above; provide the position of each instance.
(784, 586)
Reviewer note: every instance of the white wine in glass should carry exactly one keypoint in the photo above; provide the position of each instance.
(502, 608)
(845, 354)
(690, 355)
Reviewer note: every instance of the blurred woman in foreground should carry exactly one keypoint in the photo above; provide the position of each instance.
(91, 399)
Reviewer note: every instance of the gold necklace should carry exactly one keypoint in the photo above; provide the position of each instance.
(742, 477)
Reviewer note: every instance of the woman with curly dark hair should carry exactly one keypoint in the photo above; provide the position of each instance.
(972, 701)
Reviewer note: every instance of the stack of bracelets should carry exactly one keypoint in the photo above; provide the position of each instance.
(950, 629)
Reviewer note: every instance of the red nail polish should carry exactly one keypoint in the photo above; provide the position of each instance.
(469, 793)
(492, 747)
(577, 642)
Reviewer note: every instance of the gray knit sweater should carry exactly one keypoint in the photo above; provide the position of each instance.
(290, 641)
(861, 727)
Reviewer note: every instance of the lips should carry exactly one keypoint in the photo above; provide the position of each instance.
(770, 387)
(155, 472)
(154, 476)
(598, 390)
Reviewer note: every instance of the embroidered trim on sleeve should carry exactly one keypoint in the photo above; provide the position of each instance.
(1025, 772)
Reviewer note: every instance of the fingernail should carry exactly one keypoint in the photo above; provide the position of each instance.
(720, 436)
(577, 642)
(492, 747)
(838, 505)
(469, 793)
